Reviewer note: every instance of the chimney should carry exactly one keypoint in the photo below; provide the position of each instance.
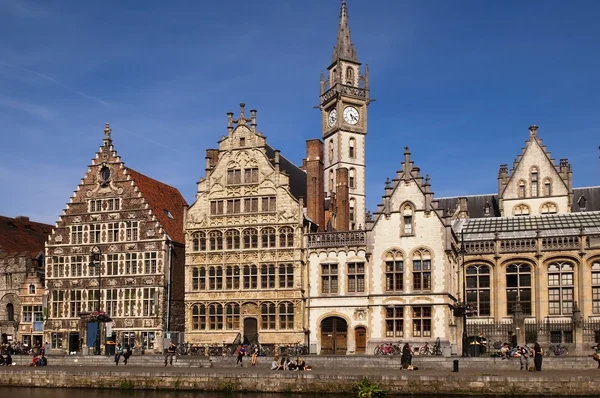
(428, 193)
(253, 120)
(22, 218)
(315, 190)
(387, 197)
(276, 159)
(343, 200)
(212, 157)
(463, 211)
(533, 131)
(502, 178)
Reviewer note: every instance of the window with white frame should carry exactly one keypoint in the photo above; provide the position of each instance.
(131, 231)
(478, 288)
(58, 266)
(113, 204)
(110, 303)
(92, 300)
(95, 233)
(131, 263)
(77, 266)
(407, 219)
(113, 232)
(150, 263)
(75, 303)
(129, 302)
(421, 272)
(27, 314)
(149, 302)
(76, 234)
(58, 303)
(112, 264)
(421, 321)
(522, 189)
(534, 182)
(95, 205)
(561, 288)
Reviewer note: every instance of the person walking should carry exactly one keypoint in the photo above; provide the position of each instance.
(241, 353)
(596, 355)
(537, 357)
(171, 351)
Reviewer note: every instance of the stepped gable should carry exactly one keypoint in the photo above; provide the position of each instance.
(296, 175)
(19, 234)
(165, 202)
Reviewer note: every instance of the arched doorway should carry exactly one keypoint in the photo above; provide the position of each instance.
(360, 339)
(334, 336)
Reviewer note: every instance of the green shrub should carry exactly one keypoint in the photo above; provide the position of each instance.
(366, 389)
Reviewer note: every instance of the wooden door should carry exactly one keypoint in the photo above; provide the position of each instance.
(334, 336)
(360, 338)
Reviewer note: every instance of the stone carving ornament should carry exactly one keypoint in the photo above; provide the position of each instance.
(58, 283)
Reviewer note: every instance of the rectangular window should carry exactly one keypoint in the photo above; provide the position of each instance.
(112, 264)
(149, 303)
(38, 313)
(394, 272)
(92, 300)
(286, 276)
(150, 263)
(148, 340)
(394, 321)
(356, 277)
(596, 291)
(77, 266)
(58, 267)
(286, 316)
(329, 278)
(408, 225)
(268, 316)
(95, 205)
(251, 205)
(251, 175)
(57, 340)
(267, 276)
(251, 277)
(215, 317)
(422, 321)
(129, 300)
(27, 316)
(215, 278)
(113, 232)
(58, 303)
(130, 263)
(216, 207)
(77, 234)
(75, 303)
(234, 176)
(110, 305)
(94, 233)
(234, 206)
(269, 204)
(232, 276)
(113, 204)
(131, 231)
(421, 274)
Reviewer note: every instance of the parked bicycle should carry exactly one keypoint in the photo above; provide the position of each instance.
(263, 351)
(388, 349)
(557, 349)
(293, 350)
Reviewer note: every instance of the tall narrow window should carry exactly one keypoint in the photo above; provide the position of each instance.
(349, 76)
(394, 321)
(112, 264)
(93, 300)
(76, 265)
(195, 243)
(268, 237)
(394, 271)
(267, 311)
(77, 234)
(198, 317)
(215, 317)
(150, 263)
(329, 278)
(232, 239)
(95, 233)
(547, 187)
(129, 302)
(267, 276)
(216, 240)
(232, 277)
(286, 237)
(75, 303)
(478, 288)
(356, 277)
(560, 288)
(352, 178)
(518, 287)
(251, 175)
(58, 266)
(234, 176)
(113, 232)
(250, 277)
(58, 304)
(286, 315)
(130, 263)
(250, 238)
(534, 182)
(330, 151)
(149, 303)
(422, 321)
(421, 263)
(596, 288)
(131, 231)
(286, 276)
(351, 148)
(407, 213)
(232, 316)
(352, 211)
(521, 189)
(110, 302)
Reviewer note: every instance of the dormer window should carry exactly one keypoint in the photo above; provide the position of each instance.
(534, 182)
(168, 214)
(242, 141)
(581, 202)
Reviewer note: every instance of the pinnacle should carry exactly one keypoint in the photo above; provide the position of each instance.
(344, 49)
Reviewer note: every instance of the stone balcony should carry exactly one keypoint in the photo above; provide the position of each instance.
(337, 239)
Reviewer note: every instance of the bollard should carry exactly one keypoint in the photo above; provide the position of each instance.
(455, 365)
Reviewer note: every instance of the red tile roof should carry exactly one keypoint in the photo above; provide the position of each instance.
(164, 200)
(19, 235)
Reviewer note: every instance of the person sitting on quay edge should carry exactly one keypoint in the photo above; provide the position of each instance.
(118, 353)
(596, 355)
(275, 364)
(300, 364)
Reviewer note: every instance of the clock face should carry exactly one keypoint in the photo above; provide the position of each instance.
(332, 118)
(351, 115)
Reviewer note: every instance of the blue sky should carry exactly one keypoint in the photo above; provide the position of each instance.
(457, 81)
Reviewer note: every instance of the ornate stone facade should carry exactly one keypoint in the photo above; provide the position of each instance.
(137, 225)
(244, 270)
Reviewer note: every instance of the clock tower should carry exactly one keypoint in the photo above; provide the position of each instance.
(343, 104)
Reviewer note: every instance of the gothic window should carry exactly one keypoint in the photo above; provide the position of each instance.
(267, 311)
(547, 187)
(356, 277)
(286, 315)
(349, 76)
(421, 263)
(394, 321)
(521, 189)
(351, 148)
(534, 182)
(560, 288)
(548, 208)
(352, 178)
(216, 240)
(195, 243)
(394, 271)
(268, 237)
(331, 187)
(232, 316)
(518, 287)
(218, 279)
(330, 151)
(251, 175)
(130, 263)
(77, 234)
(199, 317)
(521, 210)
(329, 278)
(215, 317)
(269, 204)
(234, 176)
(407, 226)
(251, 205)
(477, 281)
(131, 231)
(421, 321)
(250, 238)
(596, 288)
(286, 276)
(267, 276)
(286, 237)
(232, 239)
(232, 277)
(250, 277)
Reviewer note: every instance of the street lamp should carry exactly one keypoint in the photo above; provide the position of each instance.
(95, 261)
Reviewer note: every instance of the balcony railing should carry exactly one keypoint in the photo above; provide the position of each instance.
(522, 245)
(337, 239)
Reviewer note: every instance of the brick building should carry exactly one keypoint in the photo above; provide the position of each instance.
(134, 224)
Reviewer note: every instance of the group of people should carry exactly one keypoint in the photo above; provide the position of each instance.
(6, 360)
(39, 360)
(285, 363)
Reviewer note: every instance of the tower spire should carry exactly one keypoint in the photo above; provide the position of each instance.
(344, 49)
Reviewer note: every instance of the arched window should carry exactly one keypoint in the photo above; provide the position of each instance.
(330, 151)
(268, 237)
(521, 210)
(286, 315)
(216, 240)
(351, 148)
(421, 264)
(198, 317)
(31, 289)
(521, 189)
(394, 271)
(350, 76)
(267, 312)
(195, 243)
(267, 276)
(548, 208)
(250, 277)
(534, 182)
(232, 316)
(547, 187)
(561, 288)
(334, 76)
(596, 287)
(331, 186)
(202, 241)
(286, 237)
(232, 277)
(407, 219)
(232, 239)
(478, 288)
(250, 238)
(518, 286)
(10, 312)
(215, 317)
(352, 177)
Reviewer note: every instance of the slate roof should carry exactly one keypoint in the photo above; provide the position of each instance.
(592, 198)
(297, 175)
(19, 235)
(164, 200)
(475, 205)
